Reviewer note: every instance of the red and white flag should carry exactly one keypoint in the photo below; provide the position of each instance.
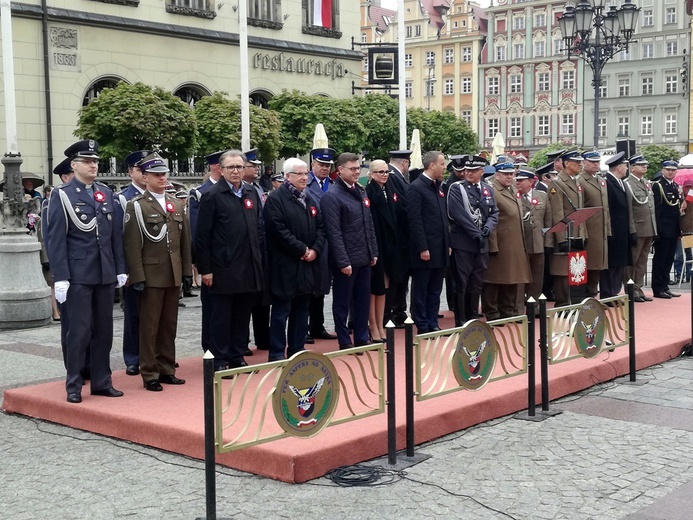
(322, 13)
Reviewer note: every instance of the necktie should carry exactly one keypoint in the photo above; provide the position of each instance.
(321, 182)
(477, 191)
(528, 197)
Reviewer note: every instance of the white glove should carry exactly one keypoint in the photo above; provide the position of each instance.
(122, 278)
(61, 288)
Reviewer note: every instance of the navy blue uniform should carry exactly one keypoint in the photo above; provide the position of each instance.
(667, 197)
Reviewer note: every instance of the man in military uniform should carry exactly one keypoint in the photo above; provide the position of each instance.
(645, 224)
(536, 217)
(594, 194)
(473, 216)
(565, 196)
(456, 169)
(131, 321)
(508, 266)
(250, 172)
(544, 175)
(157, 249)
(318, 183)
(669, 204)
(85, 250)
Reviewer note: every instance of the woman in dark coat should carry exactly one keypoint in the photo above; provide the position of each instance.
(391, 265)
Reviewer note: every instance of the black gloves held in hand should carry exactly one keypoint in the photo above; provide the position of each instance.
(138, 287)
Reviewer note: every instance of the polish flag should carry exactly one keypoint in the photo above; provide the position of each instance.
(322, 13)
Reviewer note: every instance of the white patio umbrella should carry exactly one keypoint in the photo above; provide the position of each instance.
(497, 147)
(320, 137)
(416, 159)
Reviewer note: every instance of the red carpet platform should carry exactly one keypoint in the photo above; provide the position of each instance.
(173, 419)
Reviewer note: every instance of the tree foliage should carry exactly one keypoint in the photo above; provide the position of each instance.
(539, 158)
(380, 116)
(656, 154)
(442, 131)
(137, 117)
(219, 127)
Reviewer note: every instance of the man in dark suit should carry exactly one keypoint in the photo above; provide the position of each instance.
(352, 248)
(623, 236)
(669, 203)
(318, 183)
(85, 250)
(473, 215)
(295, 240)
(157, 249)
(429, 241)
(229, 243)
(131, 321)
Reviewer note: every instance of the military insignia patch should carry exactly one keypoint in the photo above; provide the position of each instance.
(306, 395)
(127, 218)
(475, 356)
(553, 191)
(589, 328)
(109, 217)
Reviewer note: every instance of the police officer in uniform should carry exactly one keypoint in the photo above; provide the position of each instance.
(131, 322)
(85, 250)
(157, 248)
(669, 204)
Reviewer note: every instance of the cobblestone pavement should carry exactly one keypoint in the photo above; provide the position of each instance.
(617, 451)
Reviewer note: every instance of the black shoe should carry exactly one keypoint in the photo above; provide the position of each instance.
(132, 370)
(639, 299)
(74, 398)
(440, 316)
(181, 304)
(248, 352)
(309, 339)
(263, 347)
(663, 295)
(435, 329)
(108, 392)
(189, 295)
(350, 326)
(176, 365)
(646, 298)
(345, 347)
(673, 295)
(153, 385)
(323, 334)
(171, 380)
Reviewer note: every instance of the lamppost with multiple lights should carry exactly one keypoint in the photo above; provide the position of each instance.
(430, 81)
(597, 35)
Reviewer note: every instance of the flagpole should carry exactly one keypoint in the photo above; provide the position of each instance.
(243, 63)
(8, 77)
(401, 36)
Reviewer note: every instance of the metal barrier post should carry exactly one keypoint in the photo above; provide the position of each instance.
(210, 462)
(409, 371)
(391, 419)
(630, 288)
(544, 349)
(531, 357)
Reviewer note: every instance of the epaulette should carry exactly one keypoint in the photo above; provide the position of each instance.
(102, 184)
(61, 185)
(138, 197)
(194, 194)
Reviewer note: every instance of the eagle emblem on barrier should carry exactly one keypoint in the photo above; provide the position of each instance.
(589, 328)
(475, 357)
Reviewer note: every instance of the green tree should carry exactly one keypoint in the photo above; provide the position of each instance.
(136, 117)
(380, 117)
(442, 131)
(219, 127)
(539, 158)
(656, 154)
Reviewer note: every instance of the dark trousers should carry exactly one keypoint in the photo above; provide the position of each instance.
(593, 278)
(64, 327)
(296, 312)
(664, 251)
(261, 327)
(206, 302)
(316, 312)
(610, 282)
(131, 327)
(159, 311)
(345, 289)
(561, 291)
(396, 302)
(469, 269)
(90, 308)
(426, 286)
(547, 287)
(230, 318)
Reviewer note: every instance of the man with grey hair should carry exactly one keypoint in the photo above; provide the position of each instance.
(295, 240)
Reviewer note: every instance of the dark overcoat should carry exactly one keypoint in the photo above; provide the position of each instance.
(428, 223)
(622, 225)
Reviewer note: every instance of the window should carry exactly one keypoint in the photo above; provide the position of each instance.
(543, 83)
(647, 50)
(466, 54)
(624, 87)
(646, 125)
(669, 124)
(448, 56)
(492, 86)
(624, 55)
(647, 85)
(601, 127)
(519, 51)
(492, 128)
(266, 11)
(408, 31)
(321, 19)
(454, 24)
(670, 16)
(408, 90)
(191, 7)
(449, 84)
(542, 125)
(558, 47)
(365, 64)
(568, 124)
(604, 89)
(647, 18)
(364, 36)
(518, 22)
(672, 48)
(500, 53)
(623, 126)
(95, 89)
(515, 127)
(467, 117)
(671, 84)
(417, 30)
(568, 79)
(430, 58)
(408, 61)
(516, 83)
(539, 49)
(540, 20)
(430, 88)
(191, 94)
(466, 85)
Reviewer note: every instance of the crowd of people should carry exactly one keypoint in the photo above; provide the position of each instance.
(268, 249)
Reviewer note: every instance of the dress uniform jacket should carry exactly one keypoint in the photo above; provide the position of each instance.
(643, 206)
(536, 216)
(667, 198)
(398, 180)
(428, 223)
(469, 213)
(229, 239)
(316, 192)
(194, 205)
(127, 194)
(622, 226)
(563, 191)
(598, 226)
(509, 264)
(290, 229)
(160, 263)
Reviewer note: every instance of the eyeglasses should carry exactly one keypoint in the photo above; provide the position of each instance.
(354, 169)
(300, 174)
(232, 167)
(382, 172)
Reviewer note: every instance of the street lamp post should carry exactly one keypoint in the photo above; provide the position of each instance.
(597, 36)
(429, 84)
